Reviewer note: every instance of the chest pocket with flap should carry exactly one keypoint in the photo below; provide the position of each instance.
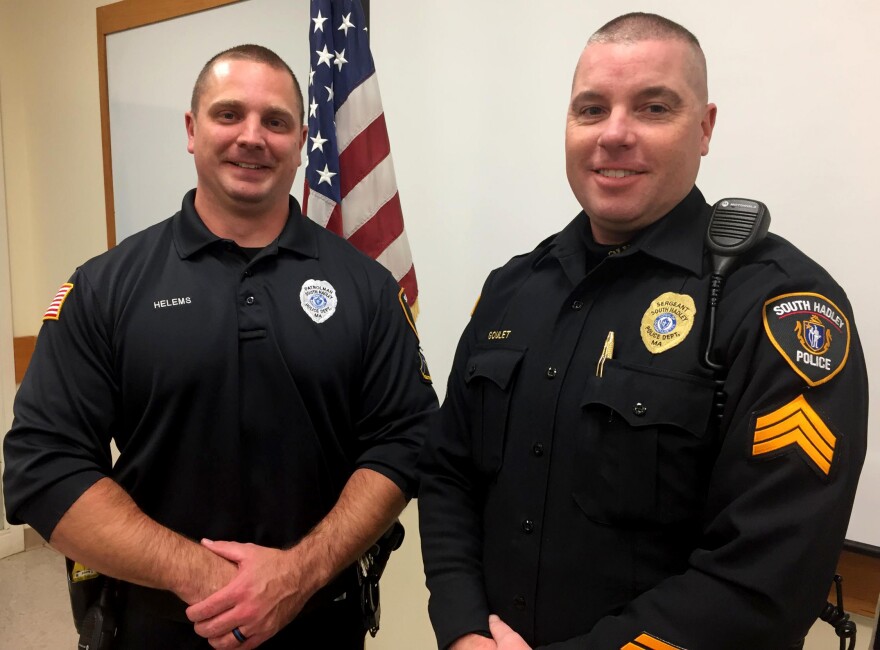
(645, 451)
(490, 377)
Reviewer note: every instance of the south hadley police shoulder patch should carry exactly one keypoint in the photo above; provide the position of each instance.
(811, 334)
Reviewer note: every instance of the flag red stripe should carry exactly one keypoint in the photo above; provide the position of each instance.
(367, 150)
(381, 229)
(305, 205)
(334, 223)
(410, 286)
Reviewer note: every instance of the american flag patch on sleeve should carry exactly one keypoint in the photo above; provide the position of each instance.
(54, 311)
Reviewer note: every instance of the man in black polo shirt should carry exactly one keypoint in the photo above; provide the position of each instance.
(261, 379)
(584, 486)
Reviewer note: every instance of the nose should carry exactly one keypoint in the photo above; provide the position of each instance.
(252, 133)
(617, 131)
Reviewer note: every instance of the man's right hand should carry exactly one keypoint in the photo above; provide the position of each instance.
(473, 642)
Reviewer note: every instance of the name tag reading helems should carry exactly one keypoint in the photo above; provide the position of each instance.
(810, 332)
(318, 299)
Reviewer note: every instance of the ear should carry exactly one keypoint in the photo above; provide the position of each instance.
(707, 124)
(304, 135)
(190, 121)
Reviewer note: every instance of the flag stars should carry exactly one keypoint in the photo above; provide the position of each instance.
(340, 59)
(319, 22)
(313, 108)
(346, 24)
(326, 175)
(318, 142)
(324, 56)
(329, 90)
(311, 76)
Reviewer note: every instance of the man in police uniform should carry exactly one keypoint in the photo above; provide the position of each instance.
(261, 379)
(580, 487)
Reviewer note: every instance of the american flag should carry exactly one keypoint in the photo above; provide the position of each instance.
(350, 186)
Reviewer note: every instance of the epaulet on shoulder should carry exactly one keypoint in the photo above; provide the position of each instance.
(547, 241)
(538, 250)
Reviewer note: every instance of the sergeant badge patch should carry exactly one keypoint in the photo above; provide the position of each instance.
(810, 332)
(54, 310)
(668, 321)
(318, 300)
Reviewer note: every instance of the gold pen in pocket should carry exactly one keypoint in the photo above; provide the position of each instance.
(607, 353)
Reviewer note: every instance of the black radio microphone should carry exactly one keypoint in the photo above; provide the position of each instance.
(736, 225)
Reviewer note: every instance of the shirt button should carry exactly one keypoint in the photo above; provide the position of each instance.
(528, 526)
(250, 300)
(472, 369)
(519, 603)
(640, 409)
(551, 372)
(538, 449)
(577, 305)
(248, 273)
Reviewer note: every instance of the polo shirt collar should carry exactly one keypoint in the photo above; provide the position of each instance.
(676, 238)
(191, 235)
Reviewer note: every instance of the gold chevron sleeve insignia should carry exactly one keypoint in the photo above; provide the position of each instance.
(647, 642)
(796, 425)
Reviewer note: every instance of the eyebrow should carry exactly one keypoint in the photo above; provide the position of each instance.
(221, 104)
(660, 92)
(651, 92)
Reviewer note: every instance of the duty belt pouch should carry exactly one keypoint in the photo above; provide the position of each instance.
(369, 568)
(93, 602)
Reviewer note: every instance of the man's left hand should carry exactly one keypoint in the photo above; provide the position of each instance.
(504, 635)
(266, 594)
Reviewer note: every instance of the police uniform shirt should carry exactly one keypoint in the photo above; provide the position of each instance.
(596, 503)
(242, 394)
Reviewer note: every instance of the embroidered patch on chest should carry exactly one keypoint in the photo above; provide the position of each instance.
(668, 321)
(810, 332)
(318, 300)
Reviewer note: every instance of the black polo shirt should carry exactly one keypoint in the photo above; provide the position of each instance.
(241, 393)
(590, 502)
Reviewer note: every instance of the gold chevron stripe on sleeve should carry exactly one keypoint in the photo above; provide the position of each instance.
(796, 424)
(647, 642)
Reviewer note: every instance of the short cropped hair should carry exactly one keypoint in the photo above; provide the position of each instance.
(638, 26)
(248, 52)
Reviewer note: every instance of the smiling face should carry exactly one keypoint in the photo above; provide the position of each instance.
(246, 137)
(638, 123)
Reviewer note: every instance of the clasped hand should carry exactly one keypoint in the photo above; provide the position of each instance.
(265, 594)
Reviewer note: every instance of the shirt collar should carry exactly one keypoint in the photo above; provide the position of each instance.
(676, 238)
(192, 235)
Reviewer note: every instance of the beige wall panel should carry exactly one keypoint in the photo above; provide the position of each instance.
(51, 148)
